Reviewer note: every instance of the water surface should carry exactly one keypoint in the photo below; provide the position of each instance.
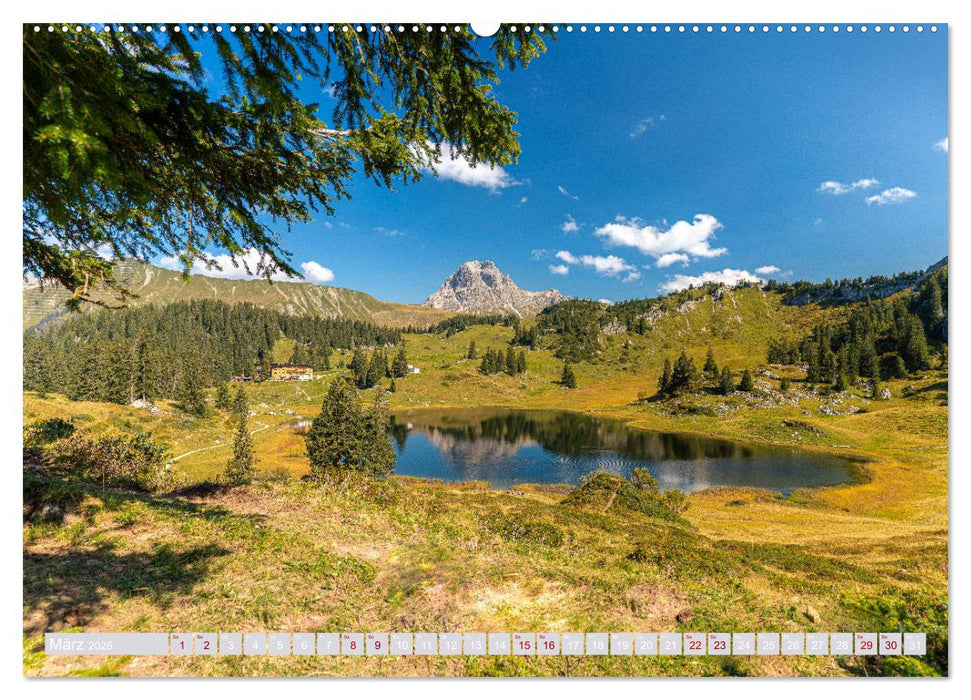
(505, 447)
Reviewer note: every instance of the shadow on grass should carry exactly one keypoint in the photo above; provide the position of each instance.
(67, 589)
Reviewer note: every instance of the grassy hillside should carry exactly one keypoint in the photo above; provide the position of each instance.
(157, 285)
(415, 556)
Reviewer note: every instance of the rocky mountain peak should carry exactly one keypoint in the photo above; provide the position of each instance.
(480, 287)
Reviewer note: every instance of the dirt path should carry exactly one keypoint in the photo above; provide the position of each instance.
(213, 447)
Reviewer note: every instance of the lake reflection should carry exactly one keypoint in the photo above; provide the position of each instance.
(505, 447)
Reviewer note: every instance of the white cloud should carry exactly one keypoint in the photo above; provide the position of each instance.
(570, 225)
(105, 251)
(313, 272)
(895, 195)
(388, 231)
(687, 239)
(941, 145)
(316, 273)
(330, 89)
(670, 258)
(838, 188)
(645, 124)
(607, 265)
(727, 277)
(522, 201)
(562, 190)
(768, 270)
(540, 254)
(608, 302)
(449, 164)
(559, 269)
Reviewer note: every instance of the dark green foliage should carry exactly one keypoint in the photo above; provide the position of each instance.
(746, 383)
(47, 431)
(842, 382)
(459, 322)
(346, 437)
(664, 381)
(577, 324)
(568, 378)
(726, 383)
(223, 400)
(375, 370)
(148, 351)
(126, 144)
(644, 480)
(514, 527)
(190, 385)
(871, 339)
(128, 461)
(473, 353)
(892, 366)
(784, 385)
(525, 336)
(682, 377)
(599, 490)
(242, 466)
(711, 367)
(399, 367)
(510, 362)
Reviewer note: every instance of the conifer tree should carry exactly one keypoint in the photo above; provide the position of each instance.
(510, 360)
(568, 378)
(664, 381)
(842, 382)
(344, 436)
(711, 368)
(399, 368)
(473, 353)
(241, 468)
(684, 375)
(726, 384)
(375, 370)
(223, 400)
(746, 383)
(784, 385)
(191, 382)
(358, 366)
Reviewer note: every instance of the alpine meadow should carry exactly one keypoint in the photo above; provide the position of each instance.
(380, 330)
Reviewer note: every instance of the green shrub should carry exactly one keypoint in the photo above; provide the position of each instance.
(603, 490)
(644, 480)
(128, 461)
(516, 528)
(47, 431)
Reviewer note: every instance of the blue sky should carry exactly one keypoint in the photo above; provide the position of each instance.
(653, 160)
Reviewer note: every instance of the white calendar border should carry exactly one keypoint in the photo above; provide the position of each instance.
(508, 10)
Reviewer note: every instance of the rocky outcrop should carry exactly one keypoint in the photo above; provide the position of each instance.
(479, 287)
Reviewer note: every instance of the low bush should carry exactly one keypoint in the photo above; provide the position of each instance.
(128, 461)
(604, 490)
(516, 528)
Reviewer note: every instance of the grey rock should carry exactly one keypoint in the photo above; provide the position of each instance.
(479, 287)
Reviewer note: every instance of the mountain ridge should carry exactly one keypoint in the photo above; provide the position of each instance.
(480, 287)
(151, 284)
